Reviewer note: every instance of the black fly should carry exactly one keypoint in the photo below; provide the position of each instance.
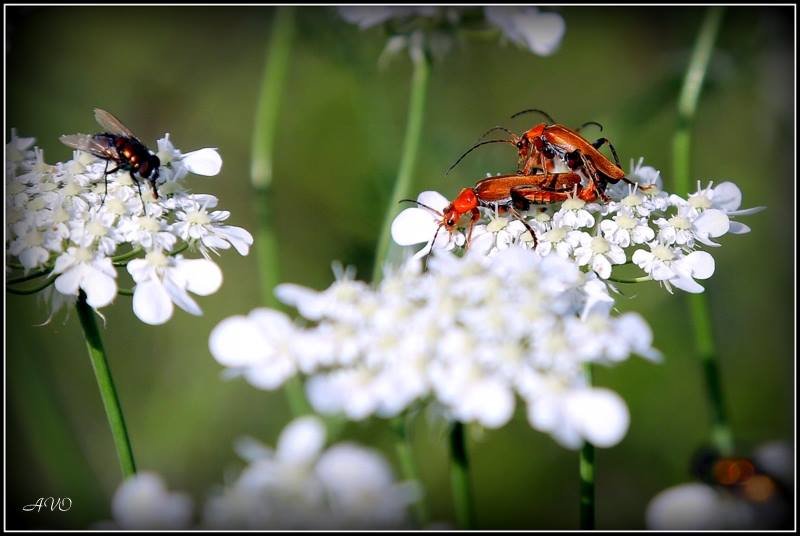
(119, 145)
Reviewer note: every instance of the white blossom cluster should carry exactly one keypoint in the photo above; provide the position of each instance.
(471, 333)
(433, 26)
(658, 232)
(299, 485)
(60, 225)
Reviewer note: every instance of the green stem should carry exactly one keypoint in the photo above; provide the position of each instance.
(705, 347)
(105, 383)
(269, 100)
(587, 475)
(690, 95)
(405, 454)
(403, 182)
(261, 173)
(459, 475)
(32, 290)
(126, 256)
(32, 275)
(642, 279)
(721, 434)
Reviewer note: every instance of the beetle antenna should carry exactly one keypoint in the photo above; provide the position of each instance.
(504, 129)
(422, 205)
(586, 124)
(460, 158)
(538, 111)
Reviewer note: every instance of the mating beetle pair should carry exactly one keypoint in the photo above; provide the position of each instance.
(554, 162)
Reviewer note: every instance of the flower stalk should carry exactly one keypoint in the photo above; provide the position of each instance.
(261, 171)
(705, 347)
(105, 383)
(403, 182)
(459, 475)
(403, 447)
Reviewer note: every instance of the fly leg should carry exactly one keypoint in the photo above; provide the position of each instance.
(106, 173)
(139, 187)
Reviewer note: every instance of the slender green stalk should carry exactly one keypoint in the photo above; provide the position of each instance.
(587, 473)
(269, 100)
(403, 182)
(459, 475)
(105, 383)
(32, 275)
(405, 454)
(32, 290)
(690, 95)
(641, 279)
(705, 347)
(261, 172)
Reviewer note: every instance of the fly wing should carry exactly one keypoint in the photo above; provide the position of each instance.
(111, 124)
(98, 146)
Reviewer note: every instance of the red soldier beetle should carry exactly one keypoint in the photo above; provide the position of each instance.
(509, 193)
(554, 148)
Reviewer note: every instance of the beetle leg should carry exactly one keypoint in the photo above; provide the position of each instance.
(599, 143)
(476, 215)
(513, 211)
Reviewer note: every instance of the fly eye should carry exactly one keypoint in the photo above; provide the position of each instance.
(451, 222)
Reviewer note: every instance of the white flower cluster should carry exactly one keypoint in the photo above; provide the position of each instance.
(526, 26)
(658, 232)
(299, 485)
(470, 332)
(61, 225)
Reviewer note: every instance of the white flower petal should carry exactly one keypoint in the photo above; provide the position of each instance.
(203, 162)
(712, 222)
(301, 441)
(600, 415)
(151, 303)
(236, 342)
(203, 277)
(727, 196)
(413, 226)
(701, 264)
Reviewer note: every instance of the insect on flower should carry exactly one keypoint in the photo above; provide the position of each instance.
(554, 148)
(508, 193)
(117, 144)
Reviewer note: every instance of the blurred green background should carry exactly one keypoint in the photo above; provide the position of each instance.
(195, 72)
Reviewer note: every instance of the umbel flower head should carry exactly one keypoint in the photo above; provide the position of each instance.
(659, 233)
(434, 28)
(62, 226)
(298, 485)
(471, 333)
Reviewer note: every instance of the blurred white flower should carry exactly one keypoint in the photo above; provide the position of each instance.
(434, 27)
(463, 333)
(538, 31)
(142, 502)
(63, 225)
(698, 506)
(301, 485)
